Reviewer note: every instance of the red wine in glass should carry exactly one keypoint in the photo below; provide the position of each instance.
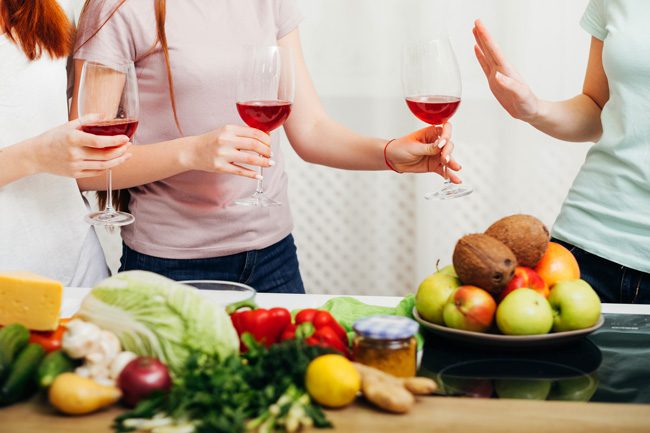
(265, 91)
(109, 92)
(264, 115)
(432, 89)
(434, 110)
(112, 127)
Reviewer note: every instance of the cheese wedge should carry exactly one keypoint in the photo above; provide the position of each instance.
(30, 300)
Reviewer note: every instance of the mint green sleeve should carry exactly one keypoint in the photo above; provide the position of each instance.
(593, 20)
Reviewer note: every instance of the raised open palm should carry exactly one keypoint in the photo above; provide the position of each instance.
(505, 83)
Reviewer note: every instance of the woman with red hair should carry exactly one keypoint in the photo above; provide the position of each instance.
(185, 176)
(42, 212)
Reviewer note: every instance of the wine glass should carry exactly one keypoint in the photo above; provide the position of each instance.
(264, 95)
(432, 88)
(109, 93)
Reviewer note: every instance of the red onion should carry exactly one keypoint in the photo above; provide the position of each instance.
(141, 377)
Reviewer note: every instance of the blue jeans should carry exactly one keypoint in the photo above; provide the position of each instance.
(613, 282)
(272, 269)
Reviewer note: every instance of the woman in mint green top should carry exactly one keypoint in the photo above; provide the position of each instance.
(605, 219)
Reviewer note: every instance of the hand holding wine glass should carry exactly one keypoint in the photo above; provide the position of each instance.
(264, 96)
(68, 151)
(425, 151)
(432, 88)
(109, 106)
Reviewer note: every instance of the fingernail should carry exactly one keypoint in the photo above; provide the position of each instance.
(271, 154)
(259, 177)
(441, 143)
(271, 162)
(447, 158)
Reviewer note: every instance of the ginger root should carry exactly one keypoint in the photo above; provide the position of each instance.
(393, 394)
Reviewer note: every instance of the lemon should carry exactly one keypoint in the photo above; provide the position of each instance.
(332, 380)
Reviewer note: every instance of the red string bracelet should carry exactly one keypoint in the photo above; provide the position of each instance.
(388, 164)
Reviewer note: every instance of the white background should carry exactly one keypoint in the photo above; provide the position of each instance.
(373, 233)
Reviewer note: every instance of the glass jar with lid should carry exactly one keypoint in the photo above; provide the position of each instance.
(387, 343)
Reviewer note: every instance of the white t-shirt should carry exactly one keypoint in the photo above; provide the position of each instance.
(42, 226)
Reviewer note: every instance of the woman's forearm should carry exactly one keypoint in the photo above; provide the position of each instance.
(148, 163)
(576, 119)
(330, 143)
(16, 162)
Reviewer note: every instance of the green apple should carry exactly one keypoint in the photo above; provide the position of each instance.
(433, 294)
(448, 270)
(524, 312)
(575, 305)
(575, 389)
(528, 389)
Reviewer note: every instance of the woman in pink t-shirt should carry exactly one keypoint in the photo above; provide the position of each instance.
(181, 185)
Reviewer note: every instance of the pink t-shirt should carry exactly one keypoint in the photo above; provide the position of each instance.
(191, 215)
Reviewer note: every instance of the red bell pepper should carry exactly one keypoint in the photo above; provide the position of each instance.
(324, 318)
(289, 332)
(327, 337)
(326, 330)
(306, 316)
(266, 326)
(49, 340)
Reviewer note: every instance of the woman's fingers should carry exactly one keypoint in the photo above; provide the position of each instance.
(446, 131)
(245, 131)
(106, 154)
(481, 44)
(250, 158)
(238, 170)
(453, 178)
(447, 150)
(253, 145)
(84, 139)
(87, 166)
(489, 47)
(482, 60)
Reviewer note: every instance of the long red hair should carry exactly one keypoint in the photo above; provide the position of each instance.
(37, 26)
(121, 197)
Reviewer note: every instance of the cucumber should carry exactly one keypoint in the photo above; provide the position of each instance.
(13, 338)
(22, 378)
(54, 364)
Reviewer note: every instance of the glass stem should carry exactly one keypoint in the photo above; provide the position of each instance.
(109, 191)
(259, 189)
(445, 175)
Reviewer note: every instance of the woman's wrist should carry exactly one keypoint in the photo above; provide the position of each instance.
(540, 116)
(27, 157)
(386, 159)
(185, 149)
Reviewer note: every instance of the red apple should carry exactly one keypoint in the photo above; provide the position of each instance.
(525, 278)
(469, 308)
(557, 264)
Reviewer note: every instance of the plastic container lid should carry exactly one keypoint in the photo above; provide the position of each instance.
(386, 327)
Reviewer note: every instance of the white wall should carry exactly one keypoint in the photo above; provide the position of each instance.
(373, 232)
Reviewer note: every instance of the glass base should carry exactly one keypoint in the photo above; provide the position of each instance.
(449, 191)
(110, 218)
(258, 199)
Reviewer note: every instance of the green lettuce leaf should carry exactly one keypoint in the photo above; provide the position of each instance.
(347, 310)
(155, 316)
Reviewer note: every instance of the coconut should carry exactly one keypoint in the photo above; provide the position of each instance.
(525, 235)
(483, 261)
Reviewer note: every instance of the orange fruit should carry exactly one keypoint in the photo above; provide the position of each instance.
(557, 264)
